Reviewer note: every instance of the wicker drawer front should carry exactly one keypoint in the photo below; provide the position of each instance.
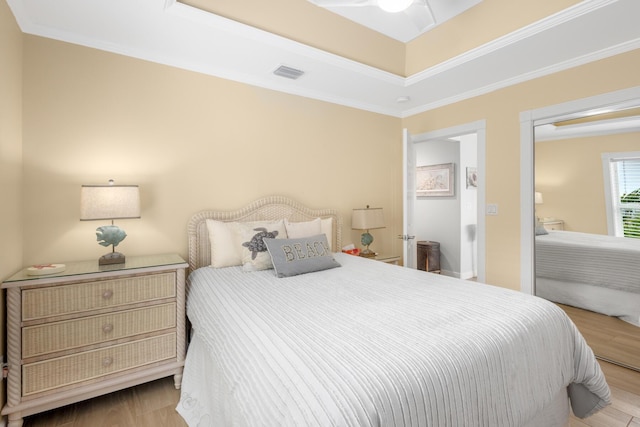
(51, 337)
(50, 374)
(79, 297)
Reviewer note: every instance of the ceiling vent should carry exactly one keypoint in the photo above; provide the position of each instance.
(288, 72)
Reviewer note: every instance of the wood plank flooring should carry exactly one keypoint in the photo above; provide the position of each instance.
(610, 338)
(147, 405)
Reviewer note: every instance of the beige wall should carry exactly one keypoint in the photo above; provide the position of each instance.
(194, 142)
(501, 111)
(10, 154)
(191, 142)
(569, 175)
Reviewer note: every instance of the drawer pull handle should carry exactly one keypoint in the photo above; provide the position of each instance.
(107, 361)
(107, 328)
(107, 294)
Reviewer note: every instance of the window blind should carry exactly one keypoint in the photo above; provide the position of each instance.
(626, 195)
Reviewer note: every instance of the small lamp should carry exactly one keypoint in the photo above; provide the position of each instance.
(537, 201)
(109, 202)
(367, 219)
(538, 198)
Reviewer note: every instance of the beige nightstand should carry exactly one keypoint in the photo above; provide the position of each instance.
(389, 259)
(552, 224)
(91, 330)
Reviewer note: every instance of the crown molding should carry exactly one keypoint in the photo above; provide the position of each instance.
(185, 37)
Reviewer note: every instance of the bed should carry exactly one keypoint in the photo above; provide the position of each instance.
(365, 343)
(595, 272)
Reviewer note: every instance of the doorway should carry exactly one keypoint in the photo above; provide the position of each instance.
(456, 222)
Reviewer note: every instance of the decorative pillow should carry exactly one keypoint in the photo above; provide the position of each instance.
(296, 230)
(540, 230)
(225, 248)
(326, 227)
(291, 257)
(252, 245)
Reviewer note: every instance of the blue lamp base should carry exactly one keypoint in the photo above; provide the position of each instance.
(110, 235)
(366, 239)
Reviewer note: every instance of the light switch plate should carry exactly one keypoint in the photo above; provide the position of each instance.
(492, 209)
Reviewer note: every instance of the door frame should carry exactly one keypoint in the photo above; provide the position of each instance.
(529, 119)
(479, 128)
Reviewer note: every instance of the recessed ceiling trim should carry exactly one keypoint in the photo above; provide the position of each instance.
(219, 23)
(574, 62)
(181, 36)
(549, 132)
(514, 37)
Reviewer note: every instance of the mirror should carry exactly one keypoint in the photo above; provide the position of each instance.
(583, 164)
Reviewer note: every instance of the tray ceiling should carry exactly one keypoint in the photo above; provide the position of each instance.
(404, 26)
(175, 34)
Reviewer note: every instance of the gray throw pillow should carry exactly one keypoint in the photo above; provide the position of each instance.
(540, 230)
(291, 257)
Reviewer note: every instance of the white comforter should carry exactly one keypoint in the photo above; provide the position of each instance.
(371, 344)
(592, 259)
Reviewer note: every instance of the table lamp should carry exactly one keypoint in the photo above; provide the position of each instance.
(538, 201)
(367, 219)
(109, 202)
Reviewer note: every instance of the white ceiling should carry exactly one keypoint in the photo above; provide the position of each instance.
(175, 34)
(404, 26)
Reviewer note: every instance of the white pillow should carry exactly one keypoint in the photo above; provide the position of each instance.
(225, 245)
(254, 254)
(226, 239)
(326, 227)
(297, 230)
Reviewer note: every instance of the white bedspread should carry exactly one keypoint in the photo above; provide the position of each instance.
(371, 344)
(593, 259)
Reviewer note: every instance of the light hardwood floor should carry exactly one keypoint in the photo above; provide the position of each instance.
(613, 339)
(610, 338)
(147, 405)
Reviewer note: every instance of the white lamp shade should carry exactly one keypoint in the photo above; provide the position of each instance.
(394, 6)
(367, 219)
(109, 202)
(538, 198)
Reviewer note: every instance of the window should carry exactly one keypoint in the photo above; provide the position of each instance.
(622, 193)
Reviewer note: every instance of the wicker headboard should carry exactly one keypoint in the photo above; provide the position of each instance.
(268, 208)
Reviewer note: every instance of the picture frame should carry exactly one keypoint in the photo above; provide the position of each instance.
(472, 177)
(435, 180)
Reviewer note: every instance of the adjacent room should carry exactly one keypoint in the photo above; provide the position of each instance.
(224, 127)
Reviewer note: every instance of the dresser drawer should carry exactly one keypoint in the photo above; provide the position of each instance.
(63, 371)
(80, 297)
(59, 336)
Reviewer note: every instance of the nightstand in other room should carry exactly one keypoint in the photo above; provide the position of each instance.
(91, 330)
(389, 259)
(552, 224)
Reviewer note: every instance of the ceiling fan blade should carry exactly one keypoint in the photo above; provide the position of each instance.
(421, 15)
(344, 3)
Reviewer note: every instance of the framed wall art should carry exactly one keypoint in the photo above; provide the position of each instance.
(472, 177)
(435, 180)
